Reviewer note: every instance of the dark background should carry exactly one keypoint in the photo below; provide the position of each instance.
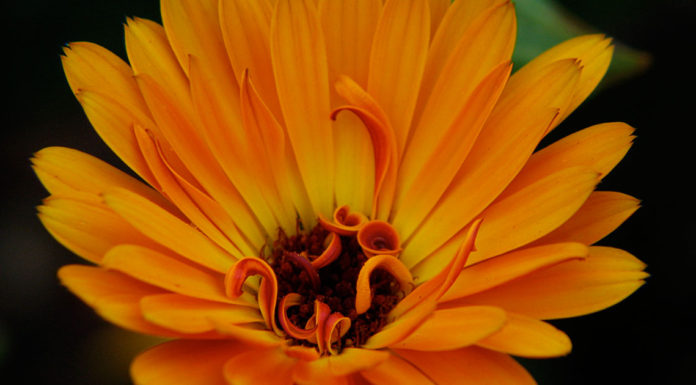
(49, 336)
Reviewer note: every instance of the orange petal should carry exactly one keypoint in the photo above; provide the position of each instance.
(191, 315)
(185, 362)
(351, 360)
(528, 337)
(345, 222)
(268, 291)
(397, 60)
(379, 237)
(515, 264)
(332, 251)
(336, 326)
(517, 123)
(396, 370)
(113, 295)
(168, 230)
(269, 366)
(299, 64)
(401, 327)
(449, 329)
(438, 8)
(363, 298)
(470, 365)
(602, 213)
(255, 334)
(86, 229)
(569, 289)
(168, 273)
(290, 300)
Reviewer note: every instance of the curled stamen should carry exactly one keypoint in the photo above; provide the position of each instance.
(337, 326)
(332, 251)
(307, 267)
(268, 291)
(379, 237)
(363, 297)
(290, 300)
(344, 223)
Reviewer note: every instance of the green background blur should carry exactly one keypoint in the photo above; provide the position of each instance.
(48, 336)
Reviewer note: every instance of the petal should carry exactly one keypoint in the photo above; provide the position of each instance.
(449, 329)
(349, 361)
(86, 229)
(191, 315)
(389, 263)
(299, 64)
(569, 289)
(168, 230)
(602, 213)
(252, 334)
(397, 60)
(268, 289)
(438, 8)
(504, 268)
(468, 366)
(185, 362)
(71, 173)
(396, 370)
(528, 337)
(401, 327)
(520, 118)
(168, 273)
(269, 366)
(113, 295)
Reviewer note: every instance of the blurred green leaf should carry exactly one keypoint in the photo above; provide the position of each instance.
(541, 24)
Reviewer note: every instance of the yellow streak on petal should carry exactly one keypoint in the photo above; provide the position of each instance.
(397, 60)
(88, 230)
(191, 315)
(570, 289)
(602, 213)
(168, 230)
(299, 64)
(523, 113)
(507, 267)
(528, 337)
(449, 329)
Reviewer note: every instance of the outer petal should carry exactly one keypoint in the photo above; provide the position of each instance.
(185, 362)
(570, 289)
(269, 366)
(468, 366)
(528, 337)
(396, 370)
(350, 360)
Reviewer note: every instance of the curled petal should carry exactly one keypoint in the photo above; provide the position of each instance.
(344, 222)
(268, 291)
(322, 313)
(292, 299)
(307, 267)
(332, 251)
(379, 237)
(337, 326)
(363, 298)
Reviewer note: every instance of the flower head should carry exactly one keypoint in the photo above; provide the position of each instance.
(339, 192)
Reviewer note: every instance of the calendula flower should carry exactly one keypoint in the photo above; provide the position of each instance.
(339, 192)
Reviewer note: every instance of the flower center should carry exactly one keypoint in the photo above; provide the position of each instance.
(333, 284)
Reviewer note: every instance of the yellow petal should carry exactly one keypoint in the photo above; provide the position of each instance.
(449, 329)
(269, 366)
(401, 327)
(602, 213)
(532, 212)
(191, 315)
(71, 173)
(169, 231)
(519, 120)
(299, 64)
(570, 289)
(528, 337)
(86, 229)
(113, 295)
(185, 362)
(245, 30)
(396, 370)
(599, 148)
(168, 185)
(436, 165)
(468, 366)
(168, 273)
(397, 60)
(504, 268)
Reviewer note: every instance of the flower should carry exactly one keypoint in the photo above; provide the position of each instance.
(339, 192)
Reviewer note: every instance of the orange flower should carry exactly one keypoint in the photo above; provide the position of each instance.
(339, 192)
